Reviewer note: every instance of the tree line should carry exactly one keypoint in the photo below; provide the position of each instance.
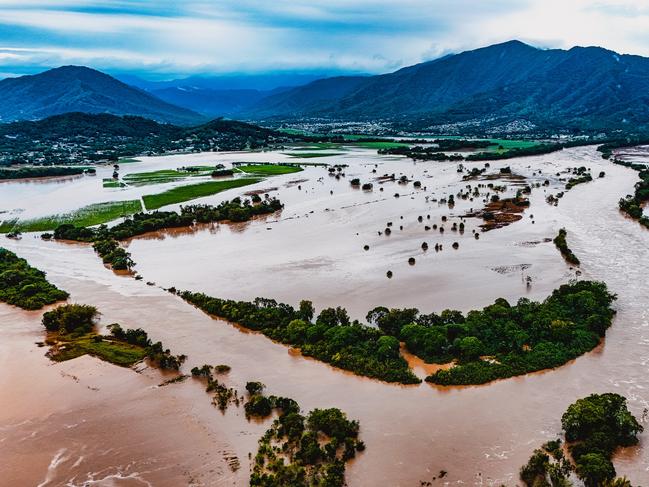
(106, 239)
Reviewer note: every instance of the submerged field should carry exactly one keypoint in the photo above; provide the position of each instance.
(165, 175)
(87, 216)
(330, 245)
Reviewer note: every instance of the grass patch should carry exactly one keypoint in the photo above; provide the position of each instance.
(508, 144)
(113, 351)
(127, 160)
(269, 169)
(112, 183)
(379, 144)
(193, 191)
(87, 216)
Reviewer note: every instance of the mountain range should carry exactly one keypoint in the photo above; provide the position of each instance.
(583, 87)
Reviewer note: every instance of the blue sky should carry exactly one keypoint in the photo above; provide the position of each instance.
(165, 39)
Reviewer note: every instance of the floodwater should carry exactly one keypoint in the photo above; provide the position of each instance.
(82, 421)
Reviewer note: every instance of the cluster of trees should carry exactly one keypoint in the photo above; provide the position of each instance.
(223, 395)
(459, 144)
(70, 319)
(503, 340)
(112, 254)
(561, 243)
(105, 239)
(260, 406)
(582, 176)
(331, 337)
(595, 427)
(161, 356)
(632, 205)
(607, 148)
(496, 342)
(25, 286)
(305, 451)
(420, 153)
(42, 171)
(534, 150)
(222, 172)
(235, 210)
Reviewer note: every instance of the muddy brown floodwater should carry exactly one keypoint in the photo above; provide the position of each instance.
(84, 422)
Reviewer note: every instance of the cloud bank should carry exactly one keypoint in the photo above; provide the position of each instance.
(163, 39)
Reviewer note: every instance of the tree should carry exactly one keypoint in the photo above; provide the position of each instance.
(306, 310)
(470, 348)
(394, 320)
(595, 469)
(70, 318)
(296, 331)
(254, 388)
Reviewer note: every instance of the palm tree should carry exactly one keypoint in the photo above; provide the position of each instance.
(618, 482)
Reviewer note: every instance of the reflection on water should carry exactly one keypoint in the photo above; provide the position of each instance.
(127, 428)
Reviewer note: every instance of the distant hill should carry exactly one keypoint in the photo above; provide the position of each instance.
(81, 89)
(83, 137)
(581, 87)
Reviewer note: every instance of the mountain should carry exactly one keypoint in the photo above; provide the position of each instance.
(309, 99)
(81, 89)
(212, 102)
(582, 87)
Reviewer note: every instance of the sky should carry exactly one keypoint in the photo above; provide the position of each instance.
(164, 39)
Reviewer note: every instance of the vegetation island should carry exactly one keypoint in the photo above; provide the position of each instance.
(71, 334)
(594, 427)
(561, 243)
(25, 286)
(500, 341)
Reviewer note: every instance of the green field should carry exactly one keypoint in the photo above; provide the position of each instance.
(269, 169)
(511, 144)
(7, 225)
(112, 183)
(83, 217)
(164, 176)
(113, 351)
(193, 191)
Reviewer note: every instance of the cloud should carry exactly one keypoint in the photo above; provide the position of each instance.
(199, 36)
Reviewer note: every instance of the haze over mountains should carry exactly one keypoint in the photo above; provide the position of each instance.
(589, 88)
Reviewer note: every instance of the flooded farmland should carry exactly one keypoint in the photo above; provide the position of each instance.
(92, 423)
